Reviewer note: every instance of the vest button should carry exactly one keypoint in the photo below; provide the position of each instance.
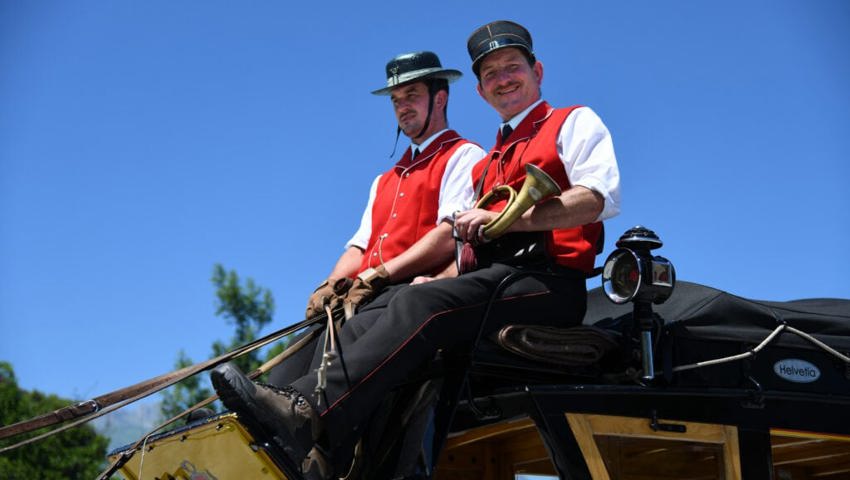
(395, 215)
(407, 174)
(401, 194)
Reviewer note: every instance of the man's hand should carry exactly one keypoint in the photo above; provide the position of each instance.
(331, 291)
(367, 284)
(469, 224)
(419, 280)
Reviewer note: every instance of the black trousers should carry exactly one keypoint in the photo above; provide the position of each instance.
(404, 327)
(302, 362)
(307, 359)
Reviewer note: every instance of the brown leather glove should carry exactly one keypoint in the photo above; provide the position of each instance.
(331, 290)
(367, 284)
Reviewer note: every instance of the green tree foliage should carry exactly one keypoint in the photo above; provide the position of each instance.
(75, 453)
(277, 348)
(246, 306)
(183, 394)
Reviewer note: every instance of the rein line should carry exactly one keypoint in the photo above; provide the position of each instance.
(88, 410)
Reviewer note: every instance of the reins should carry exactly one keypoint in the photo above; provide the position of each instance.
(128, 454)
(88, 410)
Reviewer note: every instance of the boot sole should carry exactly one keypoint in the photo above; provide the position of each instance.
(236, 393)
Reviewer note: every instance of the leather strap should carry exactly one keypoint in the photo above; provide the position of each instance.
(264, 368)
(98, 406)
(575, 346)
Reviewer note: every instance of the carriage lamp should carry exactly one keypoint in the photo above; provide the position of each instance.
(632, 274)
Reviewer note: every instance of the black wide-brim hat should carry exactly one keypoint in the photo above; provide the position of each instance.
(497, 35)
(415, 67)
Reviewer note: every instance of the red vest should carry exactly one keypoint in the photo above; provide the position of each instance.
(407, 200)
(534, 141)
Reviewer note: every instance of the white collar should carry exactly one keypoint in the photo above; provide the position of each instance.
(422, 146)
(513, 122)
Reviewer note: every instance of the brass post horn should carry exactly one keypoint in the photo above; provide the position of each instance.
(538, 185)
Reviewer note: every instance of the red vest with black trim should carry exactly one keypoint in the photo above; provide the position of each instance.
(407, 200)
(534, 141)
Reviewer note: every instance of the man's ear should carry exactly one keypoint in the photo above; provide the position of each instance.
(478, 89)
(538, 70)
(441, 98)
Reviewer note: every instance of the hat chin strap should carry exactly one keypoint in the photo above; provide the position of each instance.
(397, 133)
(431, 94)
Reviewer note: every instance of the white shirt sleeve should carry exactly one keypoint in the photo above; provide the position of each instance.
(585, 146)
(456, 192)
(361, 237)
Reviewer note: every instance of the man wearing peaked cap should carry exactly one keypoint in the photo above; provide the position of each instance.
(497, 35)
(405, 233)
(571, 144)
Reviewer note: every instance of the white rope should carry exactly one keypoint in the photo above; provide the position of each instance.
(329, 354)
(142, 459)
(760, 346)
(837, 354)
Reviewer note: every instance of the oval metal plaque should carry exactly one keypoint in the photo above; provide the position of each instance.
(796, 370)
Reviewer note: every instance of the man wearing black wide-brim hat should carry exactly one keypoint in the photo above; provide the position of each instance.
(405, 233)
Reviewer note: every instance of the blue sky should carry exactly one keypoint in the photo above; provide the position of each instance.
(143, 142)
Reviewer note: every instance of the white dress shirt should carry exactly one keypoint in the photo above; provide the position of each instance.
(456, 192)
(587, 152)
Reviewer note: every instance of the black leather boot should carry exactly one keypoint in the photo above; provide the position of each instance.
(279, 414)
